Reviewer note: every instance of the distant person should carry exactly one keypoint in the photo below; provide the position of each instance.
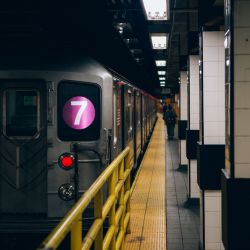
(170, 120)
(164, 109)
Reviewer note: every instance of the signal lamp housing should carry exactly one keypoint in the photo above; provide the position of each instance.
(66, 161)
(66, 192)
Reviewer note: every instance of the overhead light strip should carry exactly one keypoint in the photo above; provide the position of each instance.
(161, 73)
(161, 63)
(159, 40)
(156, 10)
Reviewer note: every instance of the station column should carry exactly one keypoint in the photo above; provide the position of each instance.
(182, 126)
(192, 135)
(211, 147)
(236, 177)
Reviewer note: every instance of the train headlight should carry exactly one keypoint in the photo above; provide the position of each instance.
(66, 192)
(66, 161)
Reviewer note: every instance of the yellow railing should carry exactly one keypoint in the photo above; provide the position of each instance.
(118, 216)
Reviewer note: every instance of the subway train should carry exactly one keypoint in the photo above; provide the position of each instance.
(61, 124)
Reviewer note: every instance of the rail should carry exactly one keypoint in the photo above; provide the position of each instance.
(118, 216)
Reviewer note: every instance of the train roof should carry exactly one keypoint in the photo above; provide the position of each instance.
(68, 62)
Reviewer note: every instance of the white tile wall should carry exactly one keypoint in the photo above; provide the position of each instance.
(183, 95)
(214, 126)
(212, 39)
(241, 95)
(194, 91)
(242, 122)
(242, 170)
(194, 187)
(242, 88)
(210, 68)
(184, 160)
(194, 121)
(242, 67)
(212, 203)
(213, 87)
(183, 114)
(242, 150)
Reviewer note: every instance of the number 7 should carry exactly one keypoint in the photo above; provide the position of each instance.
(83, 105)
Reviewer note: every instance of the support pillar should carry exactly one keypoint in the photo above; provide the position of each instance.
(236, 177)
(182, 123)
(211, 147)
(192, 135)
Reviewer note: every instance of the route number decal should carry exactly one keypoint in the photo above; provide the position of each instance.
(78, 112)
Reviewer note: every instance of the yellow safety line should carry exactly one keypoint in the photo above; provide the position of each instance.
(148, 214)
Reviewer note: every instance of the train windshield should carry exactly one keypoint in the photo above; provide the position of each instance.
(78, 111)
(21, 112)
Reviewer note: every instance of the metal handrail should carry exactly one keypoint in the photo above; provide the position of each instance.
(119, 218)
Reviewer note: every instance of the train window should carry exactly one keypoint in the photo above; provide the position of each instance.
(78, 111)
(21, 112)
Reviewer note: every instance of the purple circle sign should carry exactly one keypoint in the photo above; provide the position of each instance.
(78, 112)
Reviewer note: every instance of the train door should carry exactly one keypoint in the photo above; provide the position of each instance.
(144, 118)
(129, 121)
(138, 123)
(148, 115)
(117, 120)
(23, 147)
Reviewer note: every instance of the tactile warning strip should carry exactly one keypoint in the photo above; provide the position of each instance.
(148, 214)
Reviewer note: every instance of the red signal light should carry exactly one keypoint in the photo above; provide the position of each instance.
(66, 161)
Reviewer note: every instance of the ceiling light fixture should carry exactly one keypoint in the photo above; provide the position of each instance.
(162, 78)
(161, 73)
(159, 41)
(156, 10)
(162, 82)
(160, 63)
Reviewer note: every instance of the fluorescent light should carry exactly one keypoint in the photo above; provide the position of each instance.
(162, 82)
(161, 73)
(159, 41)
(162, 78)
(162, 85)
(156, 9)
(160, 63)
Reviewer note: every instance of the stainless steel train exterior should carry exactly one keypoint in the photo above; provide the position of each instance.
(49, 109)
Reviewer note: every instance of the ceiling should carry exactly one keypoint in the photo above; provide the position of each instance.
(115, 32)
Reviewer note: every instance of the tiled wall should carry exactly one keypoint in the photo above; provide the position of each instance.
(214, 127)
(212, 213)
(183, 157)
(194, 187)
(183, 95)
(213, 87)
(194, 92)
(193, 100)
(183, 114)
(242, 88)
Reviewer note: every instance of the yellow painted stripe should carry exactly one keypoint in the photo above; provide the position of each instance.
(148, 210)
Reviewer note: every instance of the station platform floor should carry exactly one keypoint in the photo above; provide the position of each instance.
(161, 216)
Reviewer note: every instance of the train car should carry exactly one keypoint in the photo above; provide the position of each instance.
(53, 114)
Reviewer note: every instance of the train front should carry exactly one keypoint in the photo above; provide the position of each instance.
(56, 122)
